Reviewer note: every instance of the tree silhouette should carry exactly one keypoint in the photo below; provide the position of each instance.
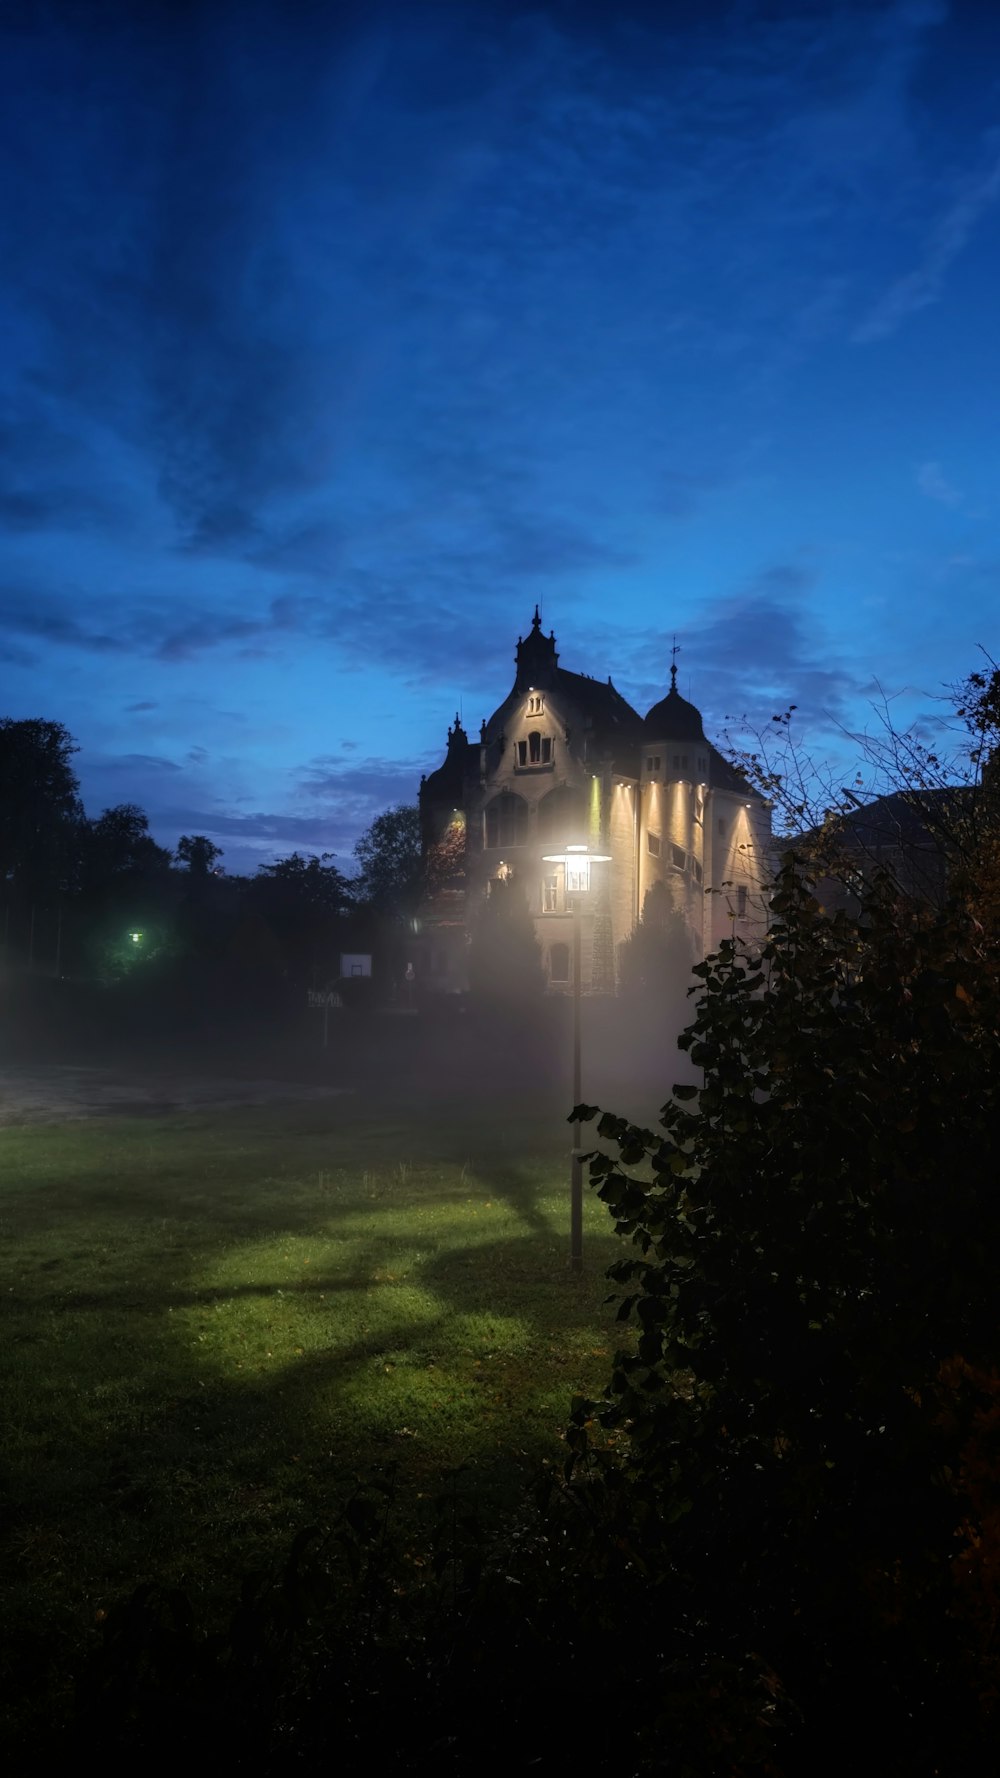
(198, 853)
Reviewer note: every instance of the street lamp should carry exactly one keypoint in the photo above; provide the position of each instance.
(576, 862)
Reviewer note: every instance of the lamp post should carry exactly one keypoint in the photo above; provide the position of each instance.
(576, 862)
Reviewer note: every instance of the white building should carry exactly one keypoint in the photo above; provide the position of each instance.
(565, 759)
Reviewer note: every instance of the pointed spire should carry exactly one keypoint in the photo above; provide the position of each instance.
(675, 651)
(536, 622)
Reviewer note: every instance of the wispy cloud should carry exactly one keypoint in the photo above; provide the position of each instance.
(932, 481)
(975, 195)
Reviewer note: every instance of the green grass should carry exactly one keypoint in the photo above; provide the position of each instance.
(214, 1324)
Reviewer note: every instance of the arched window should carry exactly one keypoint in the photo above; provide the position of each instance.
(562, 817)
(559, 963)
(536, 750)
(506, 821)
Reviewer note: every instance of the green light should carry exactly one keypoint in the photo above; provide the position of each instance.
(135, 937)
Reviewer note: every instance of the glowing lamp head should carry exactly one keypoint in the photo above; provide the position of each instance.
(577, 860)
(136, 937)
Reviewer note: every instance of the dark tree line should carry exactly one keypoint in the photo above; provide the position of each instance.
(99, 897)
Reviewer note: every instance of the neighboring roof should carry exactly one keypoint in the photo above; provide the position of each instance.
(908, 818)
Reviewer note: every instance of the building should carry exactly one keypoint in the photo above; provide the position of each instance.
(566, 759)
(913, 838)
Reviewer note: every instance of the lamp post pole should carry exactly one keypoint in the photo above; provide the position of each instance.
(576, 1164)
(576, 862)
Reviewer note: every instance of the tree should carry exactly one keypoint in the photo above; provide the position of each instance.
(119, 844)
(391, 863)
(297, 883)
(301, 899)
(812, 1274)
(655, 961)
(198, 853)
(40, 809)
(505, 961)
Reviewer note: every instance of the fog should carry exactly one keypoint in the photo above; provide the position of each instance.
(70, 1049)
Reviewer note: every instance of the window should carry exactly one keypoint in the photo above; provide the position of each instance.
(722, 825)
(535, 704)
(701, 765)
(559, 963)
(506, 820)
(678, 857)
(550, 894)
(741, 903)
(652, 762)
(536, 750)
(697, 870)
(653, 843)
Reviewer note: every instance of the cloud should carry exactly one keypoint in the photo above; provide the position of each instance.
(370, 784)
(932, 481)
(134, 709)
(43, 620)
(752, 653)
(974, 196)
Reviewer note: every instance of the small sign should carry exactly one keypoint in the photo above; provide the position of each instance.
(323, 997)
(355, 963)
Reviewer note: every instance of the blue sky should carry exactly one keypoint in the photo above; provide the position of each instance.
(332, 338)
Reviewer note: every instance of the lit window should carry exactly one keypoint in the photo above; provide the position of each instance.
(535, 704)
(550, 894)
(653, 843)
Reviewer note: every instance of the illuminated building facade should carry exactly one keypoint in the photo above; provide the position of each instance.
(563, 759)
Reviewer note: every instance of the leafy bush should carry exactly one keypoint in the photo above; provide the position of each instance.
(812, 1279)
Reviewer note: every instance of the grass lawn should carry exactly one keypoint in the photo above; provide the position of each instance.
(213, 1324)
